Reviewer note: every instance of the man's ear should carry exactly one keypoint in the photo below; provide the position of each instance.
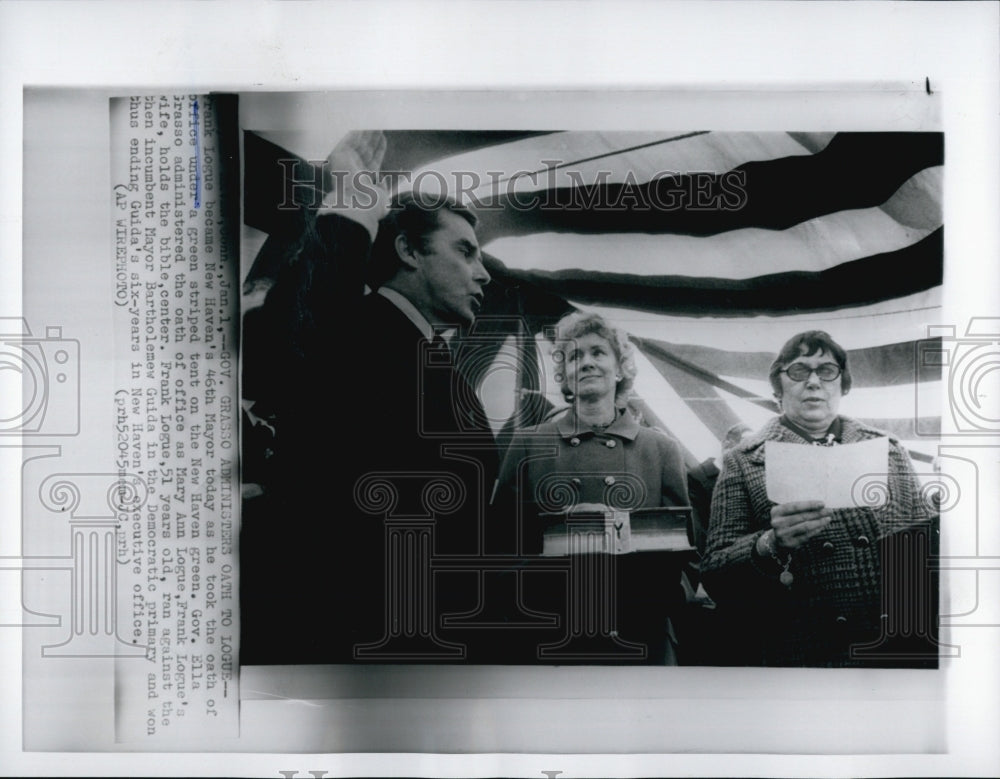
(405, 252)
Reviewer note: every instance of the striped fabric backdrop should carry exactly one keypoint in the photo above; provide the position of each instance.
(709, 249)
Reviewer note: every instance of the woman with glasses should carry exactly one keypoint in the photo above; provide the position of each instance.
(807, 579)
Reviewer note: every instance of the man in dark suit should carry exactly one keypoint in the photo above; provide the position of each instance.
(368, 405)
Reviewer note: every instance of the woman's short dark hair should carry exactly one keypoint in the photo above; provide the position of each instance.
(414, 216)
(804, 345)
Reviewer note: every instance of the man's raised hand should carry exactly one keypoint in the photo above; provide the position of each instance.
(358, 152)
(352, 185)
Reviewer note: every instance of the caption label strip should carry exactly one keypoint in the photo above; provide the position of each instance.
(176, 417)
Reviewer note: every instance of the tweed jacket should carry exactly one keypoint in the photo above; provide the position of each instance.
(835, 598)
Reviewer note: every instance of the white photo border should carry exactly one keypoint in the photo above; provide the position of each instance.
(724, 47)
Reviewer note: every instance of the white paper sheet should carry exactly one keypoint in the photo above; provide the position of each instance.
(846, 476)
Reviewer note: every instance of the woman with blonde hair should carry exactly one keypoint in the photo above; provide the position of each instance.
(596, 456)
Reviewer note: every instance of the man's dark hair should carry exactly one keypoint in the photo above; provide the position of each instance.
(415, 217)
(804, 345)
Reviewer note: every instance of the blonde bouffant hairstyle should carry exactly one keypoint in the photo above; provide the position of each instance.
(577, 325)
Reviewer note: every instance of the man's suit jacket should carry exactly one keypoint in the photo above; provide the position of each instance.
(420, 417)
(354, 389)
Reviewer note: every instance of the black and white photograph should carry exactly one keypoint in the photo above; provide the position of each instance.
(624, 321)
(485, 389)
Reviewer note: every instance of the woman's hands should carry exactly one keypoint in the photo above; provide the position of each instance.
(795, 523)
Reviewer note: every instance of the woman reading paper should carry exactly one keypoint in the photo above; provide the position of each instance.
(807, 578)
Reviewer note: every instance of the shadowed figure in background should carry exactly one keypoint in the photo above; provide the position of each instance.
(362, 384)
(705, 628)
(701, 483)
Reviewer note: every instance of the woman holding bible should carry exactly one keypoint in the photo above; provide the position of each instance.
(808, 581)
(596, 457)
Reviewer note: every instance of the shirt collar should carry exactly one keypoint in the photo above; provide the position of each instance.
(835, 430)
(624, 426)
(404, 305)
(775, 430)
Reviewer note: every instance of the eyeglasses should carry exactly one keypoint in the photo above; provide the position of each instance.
(799, 371)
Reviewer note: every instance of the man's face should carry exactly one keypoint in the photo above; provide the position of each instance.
(453, 272)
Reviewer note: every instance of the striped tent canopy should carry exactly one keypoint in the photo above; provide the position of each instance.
(710, 249)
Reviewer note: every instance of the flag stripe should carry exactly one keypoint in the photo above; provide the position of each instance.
(816, 245)
(565, 159)
(883, 366)
(886, 322)
(855, 170)
(915, 268)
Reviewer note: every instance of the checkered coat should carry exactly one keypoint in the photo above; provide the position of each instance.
(835, 599)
